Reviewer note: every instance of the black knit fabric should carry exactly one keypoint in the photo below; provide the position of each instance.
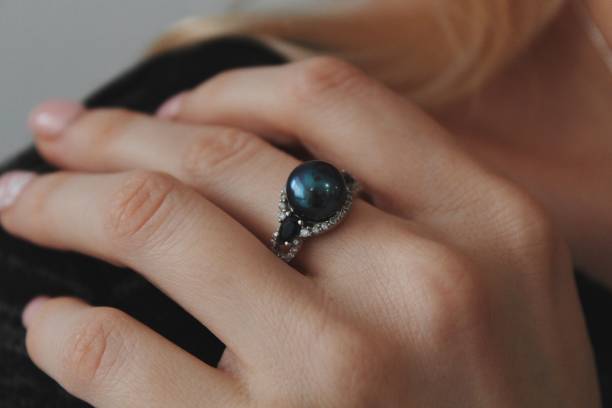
(27, 270)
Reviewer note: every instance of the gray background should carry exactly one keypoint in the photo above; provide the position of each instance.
(65, 48)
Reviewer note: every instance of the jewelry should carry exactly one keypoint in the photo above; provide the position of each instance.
(315, 199)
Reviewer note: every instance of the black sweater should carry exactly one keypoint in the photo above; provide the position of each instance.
(27, 270)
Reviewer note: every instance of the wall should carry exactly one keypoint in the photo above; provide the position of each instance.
(64, 48)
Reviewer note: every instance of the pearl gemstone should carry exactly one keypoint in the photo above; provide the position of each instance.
(316, 191)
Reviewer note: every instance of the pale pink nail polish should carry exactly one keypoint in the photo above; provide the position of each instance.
(11, 185)
(172, 107)
(32, 309)
(51, 118)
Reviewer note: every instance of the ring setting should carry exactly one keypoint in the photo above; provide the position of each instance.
(315, 199)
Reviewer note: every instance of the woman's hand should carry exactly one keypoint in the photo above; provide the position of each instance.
(452, 290)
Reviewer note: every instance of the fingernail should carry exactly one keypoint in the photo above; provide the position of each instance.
(32, 309)
(51, 118)
(11, 186)
(172, 107)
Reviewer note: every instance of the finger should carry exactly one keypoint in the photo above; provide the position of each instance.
(234, 169)
(402, 156)
(410, 165)
(108, 359)
(189, 248)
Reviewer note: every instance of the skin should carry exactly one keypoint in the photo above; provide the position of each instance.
(524, 123)
(545, 123)
(452, 288)
(542, 122)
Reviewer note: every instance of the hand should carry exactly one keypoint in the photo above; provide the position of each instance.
(452, 290)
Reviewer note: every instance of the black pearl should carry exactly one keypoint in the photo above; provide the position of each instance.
(289, 229)
(316, 191)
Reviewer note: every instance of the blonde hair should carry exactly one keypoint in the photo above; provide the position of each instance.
(434, 51)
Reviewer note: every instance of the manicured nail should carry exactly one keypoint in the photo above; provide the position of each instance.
(172, 107)
(51, 118)
(11, 186)
(32, 309)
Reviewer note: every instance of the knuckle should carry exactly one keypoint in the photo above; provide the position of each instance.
(320, 75)
(443, 272)
(528, 233)
(531, 224)
(102, 126)
(457, 288)
(352, 358)
(139, 206)
(210, 155)
(95, 350)
(450, 290)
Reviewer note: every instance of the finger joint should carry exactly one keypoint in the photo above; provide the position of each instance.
(140, 206)
(321, 75)
(95, 351)
(210, 156)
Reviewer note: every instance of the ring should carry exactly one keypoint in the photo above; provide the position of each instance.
(315, 199)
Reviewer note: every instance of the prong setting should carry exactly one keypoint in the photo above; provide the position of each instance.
(287, 250)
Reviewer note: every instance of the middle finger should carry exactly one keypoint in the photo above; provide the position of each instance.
(192, 250)
(237, 171)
